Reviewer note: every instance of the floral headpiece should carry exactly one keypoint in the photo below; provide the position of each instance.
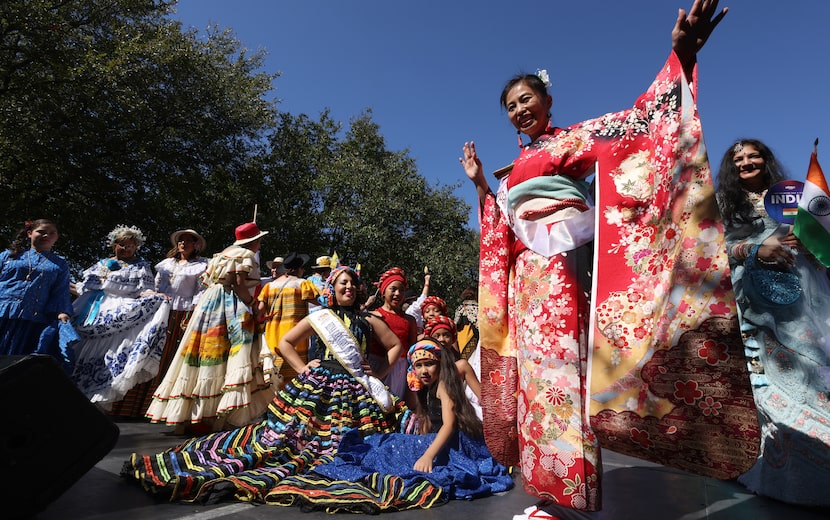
(543, 75)
(327, 299)
(426, 348)
(126, 232)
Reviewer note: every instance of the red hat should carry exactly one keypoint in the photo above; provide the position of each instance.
(247, 232)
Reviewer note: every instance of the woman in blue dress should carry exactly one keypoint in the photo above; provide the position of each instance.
(786, 333)
(34, 295)
(446, 460)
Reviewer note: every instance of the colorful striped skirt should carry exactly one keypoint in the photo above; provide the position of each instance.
(302, 429)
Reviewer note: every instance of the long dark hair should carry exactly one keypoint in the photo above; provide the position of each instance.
(735, 207)
(465, 416)
(22, 242)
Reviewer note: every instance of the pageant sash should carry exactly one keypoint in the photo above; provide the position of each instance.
(343, 346)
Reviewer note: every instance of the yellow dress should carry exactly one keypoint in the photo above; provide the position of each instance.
(286, 303)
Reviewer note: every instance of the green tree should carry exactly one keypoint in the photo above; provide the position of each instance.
(111, 113)
(298, 150)
(379, 211)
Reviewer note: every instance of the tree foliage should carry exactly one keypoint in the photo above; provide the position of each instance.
(352, 196)
(379, 211)
(112, 113)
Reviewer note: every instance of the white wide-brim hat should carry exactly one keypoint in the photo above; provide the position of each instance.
(201, 244)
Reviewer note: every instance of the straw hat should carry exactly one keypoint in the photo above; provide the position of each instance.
(322, 262)
(277, 261)
(200, 241)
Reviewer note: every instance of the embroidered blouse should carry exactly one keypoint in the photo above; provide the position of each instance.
(181, 282)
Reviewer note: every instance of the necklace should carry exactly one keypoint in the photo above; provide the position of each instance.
(32, 268)
(757, 200)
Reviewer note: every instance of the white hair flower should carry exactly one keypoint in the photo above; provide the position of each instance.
(543, 75)
(122, 232)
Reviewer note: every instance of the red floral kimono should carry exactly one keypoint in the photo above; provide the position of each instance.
(644, 357)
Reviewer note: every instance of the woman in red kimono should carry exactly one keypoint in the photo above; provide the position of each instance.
(607, 316)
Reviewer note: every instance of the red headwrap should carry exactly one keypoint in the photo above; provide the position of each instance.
(395, 274)
(440, 322)
(436, 301)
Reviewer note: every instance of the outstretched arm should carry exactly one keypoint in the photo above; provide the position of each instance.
(692, 29)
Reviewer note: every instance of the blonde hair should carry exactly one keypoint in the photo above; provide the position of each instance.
(122, 232)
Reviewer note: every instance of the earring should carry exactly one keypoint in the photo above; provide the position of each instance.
(519, 134)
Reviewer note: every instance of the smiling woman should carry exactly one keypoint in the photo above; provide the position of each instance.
(589, 290)
(785, 330)
(178, 278)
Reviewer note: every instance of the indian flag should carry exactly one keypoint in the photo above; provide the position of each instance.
(812, 223)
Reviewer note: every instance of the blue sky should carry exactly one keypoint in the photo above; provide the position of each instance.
(431, 71)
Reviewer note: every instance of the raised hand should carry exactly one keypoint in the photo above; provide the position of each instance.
(692, 29)
(474, 170)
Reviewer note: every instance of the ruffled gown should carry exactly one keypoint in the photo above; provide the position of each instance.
(216, 369)
(122, 333)
(182, 284)
(375, 474)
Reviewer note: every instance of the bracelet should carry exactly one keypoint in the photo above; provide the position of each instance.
(765, 262)
(741, 250)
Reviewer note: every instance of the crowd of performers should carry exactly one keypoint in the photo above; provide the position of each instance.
(288, 383)
(639, 313)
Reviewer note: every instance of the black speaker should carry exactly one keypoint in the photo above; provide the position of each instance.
(51, 435)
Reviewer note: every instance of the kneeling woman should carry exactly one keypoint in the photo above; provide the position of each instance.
(305, 422)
